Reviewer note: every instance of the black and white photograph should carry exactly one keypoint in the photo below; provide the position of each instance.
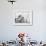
(23, 17)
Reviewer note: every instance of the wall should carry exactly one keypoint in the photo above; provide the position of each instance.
(37, 30)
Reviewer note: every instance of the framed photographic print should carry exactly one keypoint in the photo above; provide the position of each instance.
(23, 17)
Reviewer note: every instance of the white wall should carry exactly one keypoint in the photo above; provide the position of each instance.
(37, 30)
